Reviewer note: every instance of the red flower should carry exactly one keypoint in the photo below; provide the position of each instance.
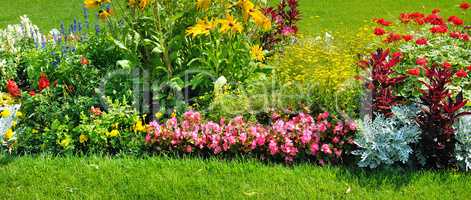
(43, 82)
(469, 68)
(421, 61)
(383, 22)
(434, 19)
(379, 31)
(439, 29)
(407, 38)
(421, 41)
(96, 111)
(84, 61)
(405, 18)
(13, 89)
(393, 37)
(461, 73)
(32, 93)
(414, 72)
(446, 65)
(420, 21)
(464, 37)
(397, 54)
(465, 5)
(456, 20)
(435, 11)
(456, 35)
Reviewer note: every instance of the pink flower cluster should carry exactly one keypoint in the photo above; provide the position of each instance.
(301, 137)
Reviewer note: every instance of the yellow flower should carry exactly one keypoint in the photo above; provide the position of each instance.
(113, 133)
(83, 138)
(65, 142)
(261, 20)
(13, 123)
(143, 4)
(104, 14)
(257, 53)
(9, 134)
(138, 127)
(5, 113)
(19, 114)
(91, 3)
(159, 115)
(247, 7)
(132, 3)
(94, 3)
(202, 27)
(230, 24)
(203, 4)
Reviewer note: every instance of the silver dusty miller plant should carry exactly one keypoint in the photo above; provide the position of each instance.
(385, 141)
(463, 146)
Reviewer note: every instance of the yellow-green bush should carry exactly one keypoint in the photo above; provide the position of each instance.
(314, 74)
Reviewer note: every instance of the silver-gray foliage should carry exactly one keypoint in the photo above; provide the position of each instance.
(384, 141)
(463, 146)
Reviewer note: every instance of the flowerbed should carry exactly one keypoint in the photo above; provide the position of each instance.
(233, 78)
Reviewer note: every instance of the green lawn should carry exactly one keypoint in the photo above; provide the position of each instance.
(168, 178)
(318, 15)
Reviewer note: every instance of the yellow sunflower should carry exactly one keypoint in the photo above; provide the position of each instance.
(143, 3)
(247, 7)
(203, 4)
(104, 14)
(230, 24)
(257, 53)
(202, 27)
(261, 20)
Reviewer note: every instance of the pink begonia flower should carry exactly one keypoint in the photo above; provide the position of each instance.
(273, 147)
(338, 152)
(326, 149)
(314, 148)
(336, 140)
(253, 145)
(338, 128)
(306, 137)
(322, 127)
(148, 138)
(260, 139)
(352, 126)
(243, 138)
(188, 149)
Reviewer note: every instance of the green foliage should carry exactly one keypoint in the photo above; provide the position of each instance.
(112, 132)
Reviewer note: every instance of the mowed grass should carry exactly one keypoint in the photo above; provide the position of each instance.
(345, 16)
(318, 15)
(46, 14)
(192, 178)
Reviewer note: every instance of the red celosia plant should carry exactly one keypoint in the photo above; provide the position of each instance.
(13, 88)
(43, 82)
(439, 112)
(323, 140)
(285, 16)
(382, 80)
